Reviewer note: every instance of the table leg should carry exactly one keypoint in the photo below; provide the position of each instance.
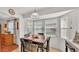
(73, 50)
(21, 48)
(66, 48)
(42, 48)
(47, 48)
(38, 48)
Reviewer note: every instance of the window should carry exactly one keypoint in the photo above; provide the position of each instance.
(46, 26)
(65, 27)
(50, 27)
(11, 27)
(38, 26)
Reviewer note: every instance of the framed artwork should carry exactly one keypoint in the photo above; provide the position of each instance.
(5, 27)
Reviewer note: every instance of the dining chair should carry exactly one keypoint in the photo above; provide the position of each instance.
(41, 33)
(27, 35)
(23, 45)
(45, 47)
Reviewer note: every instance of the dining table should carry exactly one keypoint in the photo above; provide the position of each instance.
(39, 40)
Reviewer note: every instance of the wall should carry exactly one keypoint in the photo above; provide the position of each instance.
(20, 32)
(77, 20)
(73, 21)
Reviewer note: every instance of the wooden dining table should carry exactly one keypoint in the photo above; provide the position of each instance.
(39, 40)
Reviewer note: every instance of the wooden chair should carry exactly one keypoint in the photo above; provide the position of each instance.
(23, 45)
(27, 35)
(46, 47)
(41, 34)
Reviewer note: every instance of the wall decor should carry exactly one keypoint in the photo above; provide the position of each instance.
(11, 11)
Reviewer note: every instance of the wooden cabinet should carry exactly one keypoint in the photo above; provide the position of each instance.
(6, 39)
(7, 43)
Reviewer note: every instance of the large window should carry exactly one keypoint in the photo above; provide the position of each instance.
(38, 26)
(28, 27)
(65, 26)
(46, 26)
(50, 27)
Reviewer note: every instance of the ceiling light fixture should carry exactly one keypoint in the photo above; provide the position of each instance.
(35, 15)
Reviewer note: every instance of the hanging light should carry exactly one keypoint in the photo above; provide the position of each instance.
(35, 15)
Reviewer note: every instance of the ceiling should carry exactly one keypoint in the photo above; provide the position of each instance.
(27, 11)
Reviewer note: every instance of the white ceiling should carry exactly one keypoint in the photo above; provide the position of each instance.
(27, 11)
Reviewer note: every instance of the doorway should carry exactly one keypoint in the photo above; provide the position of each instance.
(13, 28)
